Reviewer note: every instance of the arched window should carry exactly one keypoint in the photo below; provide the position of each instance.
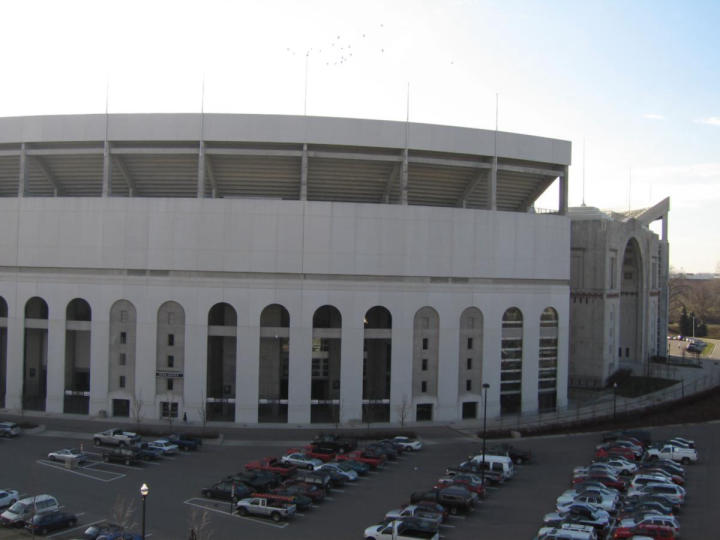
(548, 351)
(77, 357)
(274, 364)
(221, 363)
(511, 356)
(377, 362)
(325, 374)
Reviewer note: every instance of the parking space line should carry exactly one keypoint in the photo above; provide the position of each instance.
(338, 490)
(79, 527)
(116, 476)
(329, 499)
(236, 516)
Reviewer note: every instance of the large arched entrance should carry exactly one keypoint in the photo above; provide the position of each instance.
(630, 327)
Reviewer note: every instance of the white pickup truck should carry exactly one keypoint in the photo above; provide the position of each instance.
(403, 529)
(676, 453)
(116, 437)
(259, 506)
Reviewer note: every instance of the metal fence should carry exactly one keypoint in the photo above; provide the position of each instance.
(609, 406)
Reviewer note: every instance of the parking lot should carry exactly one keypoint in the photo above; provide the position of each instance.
(102, 491)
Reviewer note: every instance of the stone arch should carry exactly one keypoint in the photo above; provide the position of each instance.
(511, 361)
(326, 364)
(274, 364)
(377, 364)
(170, 358)
(630, 327)
(221, 362)
(470, 360)
(547, 359)
(121, 359)
(35, 354)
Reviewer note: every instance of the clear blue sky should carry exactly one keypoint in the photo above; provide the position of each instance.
(638, 81)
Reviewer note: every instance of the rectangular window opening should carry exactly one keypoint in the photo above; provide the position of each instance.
(171, 339)
(171, 360)
(469, 343)
(123, 338)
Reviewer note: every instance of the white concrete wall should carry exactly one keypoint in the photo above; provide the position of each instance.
(300, 255)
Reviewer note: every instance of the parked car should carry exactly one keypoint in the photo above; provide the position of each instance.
(567, 531)
(321, 479)
(621, 465)
(147, 452)
(650, 530)
(68, 454)
(605, 502)
(9, 429)
(50, 521)
(316, 452)
(226, 490)
(644, 505)
(24, 509)
(608, 480)
(415, 511)
(674, 492)
(374, 461)
(468, 480)
(456, 499)
(582, 514)
(185, 442)
(116, 437)
(302, 502)
(675, 453)
(335, 469)
(273, 465)
(258, 480)
(402, 529)
(102, 529)
(165, 446)
(8, 497)
(647, 519)
(293, 487)
(638, 434)
(336, 442)
(273, 508)
(121, 454)
(301, 460)
(408, 443)
(518, 455)
(492, 476)
(351, 465)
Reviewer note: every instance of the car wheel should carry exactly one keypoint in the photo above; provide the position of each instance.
(309, 467)
(72, 522)
(209, 494)
(275, 517)
(97, 442)
(685, 461)
(43, 531)
(243, 511)
(52, 458)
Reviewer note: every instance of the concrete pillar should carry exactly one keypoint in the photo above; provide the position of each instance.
(56, 360)
(22, 177)
(351, 368)
(99, 360)
(562, 303)
(107, 170)
(15, 347)
(300, 369)
(564, 189)
(531, 362)
(404, 175)
(492, 336)
(145, 359)
(448, 352)
(401, 370)
(201, 171)
(492, 192)
(247, 374)
(304, 173)
(195, 368)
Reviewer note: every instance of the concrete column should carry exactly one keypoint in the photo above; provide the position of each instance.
(564, 187)
(531, 361)
(195, 368)
(351, 367)
(492, 335)
(201, 171)
(56, 360)
(493, 185)
(401, 366)
(447, 397)
(404, 174)
(145, 359)
(15, 347)
(22, 177)
(99, 360)
(107, 170)
(247, 375)
(304, 173)
(300, 369)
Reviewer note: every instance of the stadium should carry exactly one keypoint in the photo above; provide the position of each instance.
(280, 269)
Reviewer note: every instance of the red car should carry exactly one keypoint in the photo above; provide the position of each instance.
(464, 481)
(316, 493)
(316, 452)
(272, 465)
(608, 450)
(659, 532)
(359, 455)
(608, 481)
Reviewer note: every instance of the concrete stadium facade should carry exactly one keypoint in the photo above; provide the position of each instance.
(280, 269)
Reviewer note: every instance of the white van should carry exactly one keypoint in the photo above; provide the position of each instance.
(497, 463)
(24, 509)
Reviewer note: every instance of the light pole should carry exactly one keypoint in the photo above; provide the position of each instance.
(614, 400)
(144, 490)
(482, 470)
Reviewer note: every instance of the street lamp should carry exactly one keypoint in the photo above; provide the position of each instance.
(482, 471)
(144, 490)
(614, 400)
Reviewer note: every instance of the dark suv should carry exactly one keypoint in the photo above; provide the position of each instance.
(456, 499)
(120, 454)
(51, 521)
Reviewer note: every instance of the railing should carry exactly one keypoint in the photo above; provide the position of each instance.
(609, 406)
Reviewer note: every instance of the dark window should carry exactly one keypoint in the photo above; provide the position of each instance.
(168, 410)
(123, 337)
(424, 364)
(424, 412)
(169, 384)
(423, 386)
(122, 381)
(468, 385)
(123, 359)
(469, 363)
(469, 343)
(469, 409)
(171, 339)
(627, 352)
(620, 352)
(171, 360)
(425, 343)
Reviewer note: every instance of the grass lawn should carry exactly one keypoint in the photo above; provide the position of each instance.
(638, 386)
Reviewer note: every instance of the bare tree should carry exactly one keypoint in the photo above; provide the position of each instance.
(199, 525)
(202, 410)
(137, 408)
(404, 410)
(123, 512)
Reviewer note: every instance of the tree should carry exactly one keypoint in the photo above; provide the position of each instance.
(199, 525)
(202, 411)
(123, 512)
(685, 323)
(137, 408)
(404, 410)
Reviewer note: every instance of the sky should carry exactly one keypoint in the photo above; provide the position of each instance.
(634, 85)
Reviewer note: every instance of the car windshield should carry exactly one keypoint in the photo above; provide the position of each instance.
(18, 508)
